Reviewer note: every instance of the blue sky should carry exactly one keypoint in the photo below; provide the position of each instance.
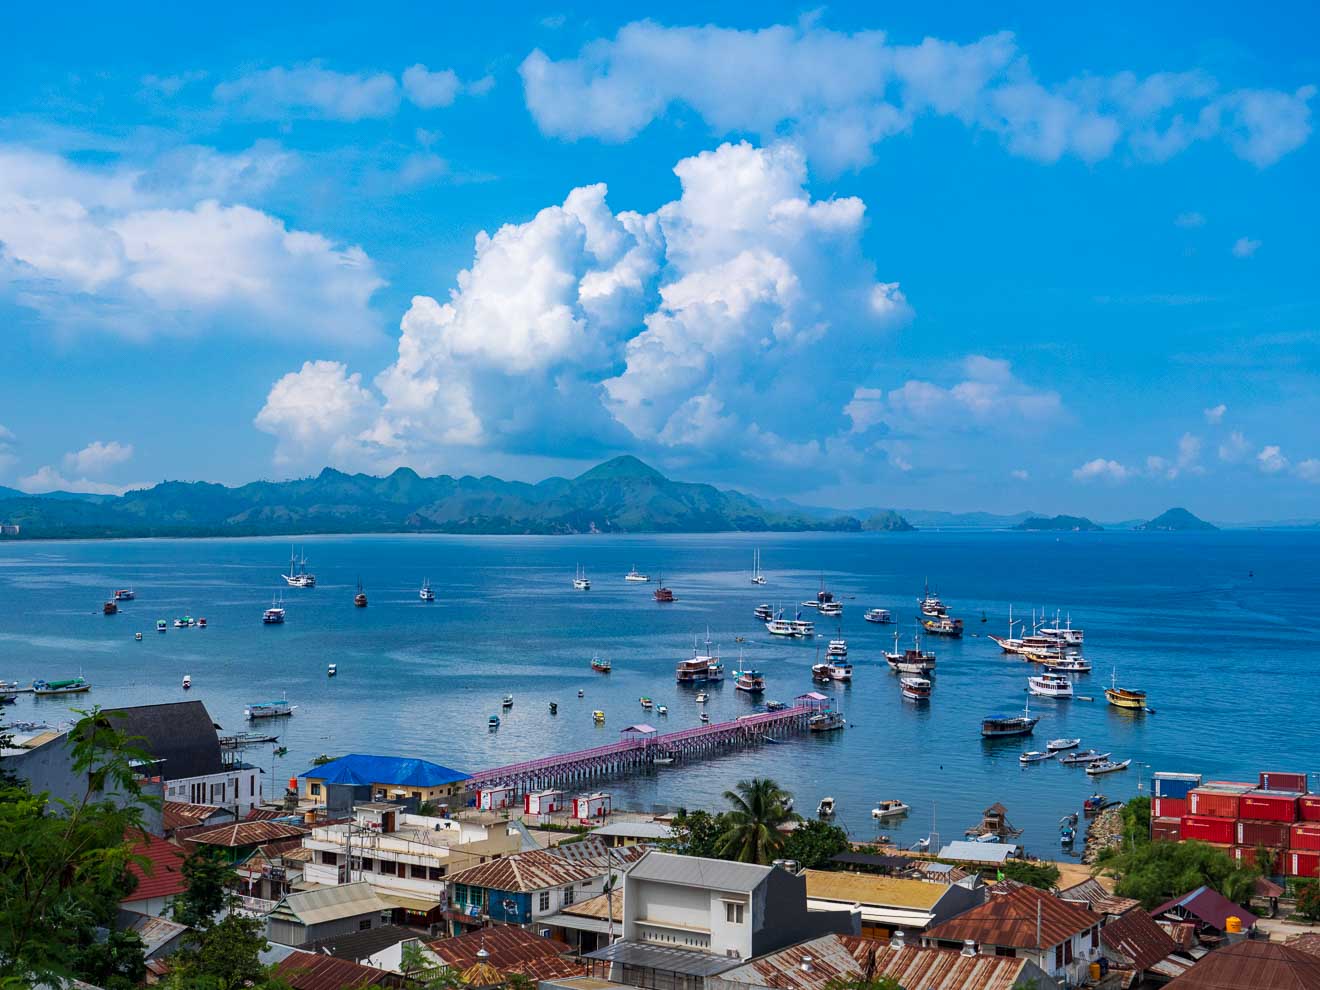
(964, 258)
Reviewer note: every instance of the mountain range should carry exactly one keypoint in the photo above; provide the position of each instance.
(622, 495)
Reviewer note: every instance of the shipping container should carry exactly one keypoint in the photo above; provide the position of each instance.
(1305, 835)
(1165, 828)
(1207, 829)
(1209, 801)
(1168, 807)
(1175, 785)
(1240, 786)
(1308, 808)
(1302, 864)
(1246, 855)
(1275, 780)
(1275, 835)
(1274, 806)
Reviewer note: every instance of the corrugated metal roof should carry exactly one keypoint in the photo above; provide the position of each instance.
(163, 875)
(1308, 942)
(1210, 907)
(361, 945)
(859, 888)
(1252, 964)
(247, 834)
(179, 814)
(509, 950)
(535, 870)
(664, 958)
(155, 933)
(312, 907)
(598, 907)
(850, 956)
(313, 971)
(1136, 936)
(397, 771)
(977, 852)
(1012, 920)
(696, 871)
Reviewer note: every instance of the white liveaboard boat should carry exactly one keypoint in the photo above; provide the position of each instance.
(915, 688)
(757, 576)
(1050, 686)
(426, 594)
(636, 576)
(892, 808)
(274, 615)
(837, 648)
(298, 577)
(880, 616)
(839, 670)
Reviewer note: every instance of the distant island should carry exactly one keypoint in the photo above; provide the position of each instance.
(1069, 524)
(1177, 521)
(622, 495)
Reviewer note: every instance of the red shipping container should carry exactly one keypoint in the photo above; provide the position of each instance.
(1216, 830)
(1165, 829)
(1302, 864)
(1306, 835)
(1220, 804)
(1272, 834)
(1246, 855)
(1273, 780)
(1164, 807)
(1308, 807)
(1274, 806)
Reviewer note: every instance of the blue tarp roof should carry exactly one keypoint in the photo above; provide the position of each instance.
(358, 768)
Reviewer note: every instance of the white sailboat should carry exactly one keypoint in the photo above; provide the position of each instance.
(426, 594)
(757, 576)
(580, 580)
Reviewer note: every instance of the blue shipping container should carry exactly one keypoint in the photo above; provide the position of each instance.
(1176, 785)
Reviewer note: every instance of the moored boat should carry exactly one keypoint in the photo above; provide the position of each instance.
(125, 595)
(507, 701)
(826, 721)
(757, 576)
(162, 625)
(999, 726)
(110, 607)
(646, 703)
(701, 667)
(837, 648)
(1129, 698)
(331, 670)
(803, 627)
(891, 808)
(426, 594)
(1070, 663)
(839, 670)
(360, 599)
(764, 612)
(600, 665)
(825, 809)
(1050, 686)
(915, 688)
(636, 576)
(662, 594)
(273, 616)
(493, 722)
(598, 716)
(910, 661)
(1035, 756)
(580, 580)
(1082, 758)
(268, 709)
(943, 625)
(1058, 745)
(879, 616)
(1107, 766)
(298, 576)
(930, 605)
(780, 627)
(71, 685)
(187, 681)
(748, 680)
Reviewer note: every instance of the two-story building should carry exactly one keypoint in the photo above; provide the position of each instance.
(686, 918)
(386, 778)
(408, 859)
(889, 904)
(527, 888)
(1062, 939)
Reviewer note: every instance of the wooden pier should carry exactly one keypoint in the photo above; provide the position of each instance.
(641, 745)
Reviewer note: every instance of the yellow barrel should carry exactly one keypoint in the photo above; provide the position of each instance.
(1095, 972)
(1233, 924)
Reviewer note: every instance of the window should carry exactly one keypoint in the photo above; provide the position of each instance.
(543, 901)
(315, 790)
(1095, 938)
(568, 895)
(1067, 951)
(1058, 957)
(733, 913)
(435, 872)
(368, 863)
(418, 872)
(329, 858)
(1002, 951)
(252, 785)
(364, 924)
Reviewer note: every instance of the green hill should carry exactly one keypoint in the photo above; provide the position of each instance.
(622, 495)
(1070, 524)
(1177, 521)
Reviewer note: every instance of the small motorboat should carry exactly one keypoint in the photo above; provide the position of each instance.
(1067, 835)
(705, 717)
(636, 576)
(1082, 758)
(1035, 756)
(508, 701)
(920, 846)
(125, 595)
(554, 708)
(764, 612)
(493, 722)
(332, 670)
(646, 703)
(161, 625)
(662, 710)
(1093, 804)
(1107, 766)
(775, 706)
(138, 636)
(600, 665)
(1058, 745)
(598, 716)
(663, 761)
(889, 809)
(187, 681)
(110, 607)
(581, 693)
(201, 623)
(826, 807)
(702, 697)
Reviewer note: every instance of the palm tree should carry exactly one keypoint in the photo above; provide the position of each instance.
(758, 810)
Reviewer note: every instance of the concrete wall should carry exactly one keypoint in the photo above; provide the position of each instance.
(291, 933)
(50, 768)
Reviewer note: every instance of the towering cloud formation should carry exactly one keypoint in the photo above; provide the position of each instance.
(706, 328)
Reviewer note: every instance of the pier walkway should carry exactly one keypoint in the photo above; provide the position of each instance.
(642, 746)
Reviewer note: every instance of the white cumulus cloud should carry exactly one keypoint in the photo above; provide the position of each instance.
(843, 93)
(310, 90)
(1101, 469)
(1235, 448)
(49, 479)
(1215, 414)
(428, 89)
(1245, 247)
(139, 252)
(1309, 469)
(582, 330)
(98, 457)
(1270, 459)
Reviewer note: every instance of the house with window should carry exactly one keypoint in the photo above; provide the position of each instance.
(686, 919)
(386, 778)
(237, 842)
(184, 748)
(527, 888)
(407, 859)
(312, 915)
(889, 904)
(1063, 939)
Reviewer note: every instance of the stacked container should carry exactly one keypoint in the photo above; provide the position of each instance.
(1308, 808)
(1166, 829)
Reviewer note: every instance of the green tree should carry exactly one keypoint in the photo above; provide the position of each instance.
(1045, 876)
(208, 876)
(222, 957)
(1154, 872)
(697, 833)
(64, 864)
(1307, 892)
(117, 963)
(752, 824)
(422, 967)
(1136, 822)
(814, 843)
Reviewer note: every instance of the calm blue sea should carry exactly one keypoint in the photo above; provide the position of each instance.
(1228, 659)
